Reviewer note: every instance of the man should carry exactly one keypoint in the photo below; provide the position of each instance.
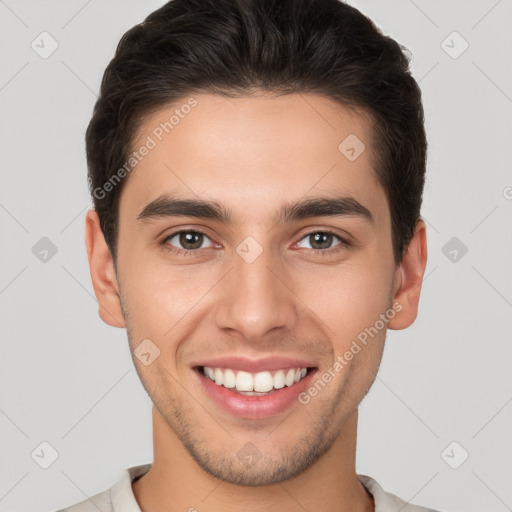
(257, 170)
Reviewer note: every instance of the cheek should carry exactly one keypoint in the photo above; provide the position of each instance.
(349, 298)
(162, 299)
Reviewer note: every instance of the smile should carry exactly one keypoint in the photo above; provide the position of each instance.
(254, 384)
(257, 395)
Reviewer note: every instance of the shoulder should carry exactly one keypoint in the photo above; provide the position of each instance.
(386, 501)
(119, 498)
(101, 501)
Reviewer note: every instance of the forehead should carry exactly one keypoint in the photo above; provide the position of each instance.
(254, 153)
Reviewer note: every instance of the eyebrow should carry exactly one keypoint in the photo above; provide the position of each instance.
(167, 205)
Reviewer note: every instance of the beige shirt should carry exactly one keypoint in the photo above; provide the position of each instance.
(120, 497)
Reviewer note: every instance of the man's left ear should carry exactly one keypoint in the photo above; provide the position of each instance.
(408, 278)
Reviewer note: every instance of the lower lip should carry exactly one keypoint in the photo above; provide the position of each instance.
(255, 407)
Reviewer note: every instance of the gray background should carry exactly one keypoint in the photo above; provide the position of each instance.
(68, 379)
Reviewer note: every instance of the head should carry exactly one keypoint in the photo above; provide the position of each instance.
(287, 140)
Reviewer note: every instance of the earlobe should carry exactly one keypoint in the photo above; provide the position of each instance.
(101, 267)
(408, 279)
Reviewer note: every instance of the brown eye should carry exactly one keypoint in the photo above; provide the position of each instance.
(190, 239)
(186, 240)
(322, 240)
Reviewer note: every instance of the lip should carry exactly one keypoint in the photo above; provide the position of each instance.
(254, 407)
(255, 365)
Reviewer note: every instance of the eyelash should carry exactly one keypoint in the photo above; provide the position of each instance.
(193, 252)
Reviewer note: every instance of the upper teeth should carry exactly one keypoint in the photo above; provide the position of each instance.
(259, 382)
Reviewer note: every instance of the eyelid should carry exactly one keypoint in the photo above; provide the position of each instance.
(343, 245)
(344, 242)
(165, 239)
(344, 236)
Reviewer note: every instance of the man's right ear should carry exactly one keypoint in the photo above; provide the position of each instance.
(103, 275)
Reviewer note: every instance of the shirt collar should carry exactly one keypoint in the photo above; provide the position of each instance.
(123, 499)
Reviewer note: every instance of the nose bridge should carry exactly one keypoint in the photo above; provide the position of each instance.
(253, 300)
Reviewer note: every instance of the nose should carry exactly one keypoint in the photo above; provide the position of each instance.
(256, 297)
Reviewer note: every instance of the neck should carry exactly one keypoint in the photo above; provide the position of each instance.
(177, 482)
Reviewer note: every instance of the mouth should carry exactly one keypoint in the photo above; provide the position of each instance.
(255, 384)
(254, 395)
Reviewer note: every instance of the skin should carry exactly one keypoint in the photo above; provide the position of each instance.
(252, 155)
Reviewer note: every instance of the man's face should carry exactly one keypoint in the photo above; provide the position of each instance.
(258, 287)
